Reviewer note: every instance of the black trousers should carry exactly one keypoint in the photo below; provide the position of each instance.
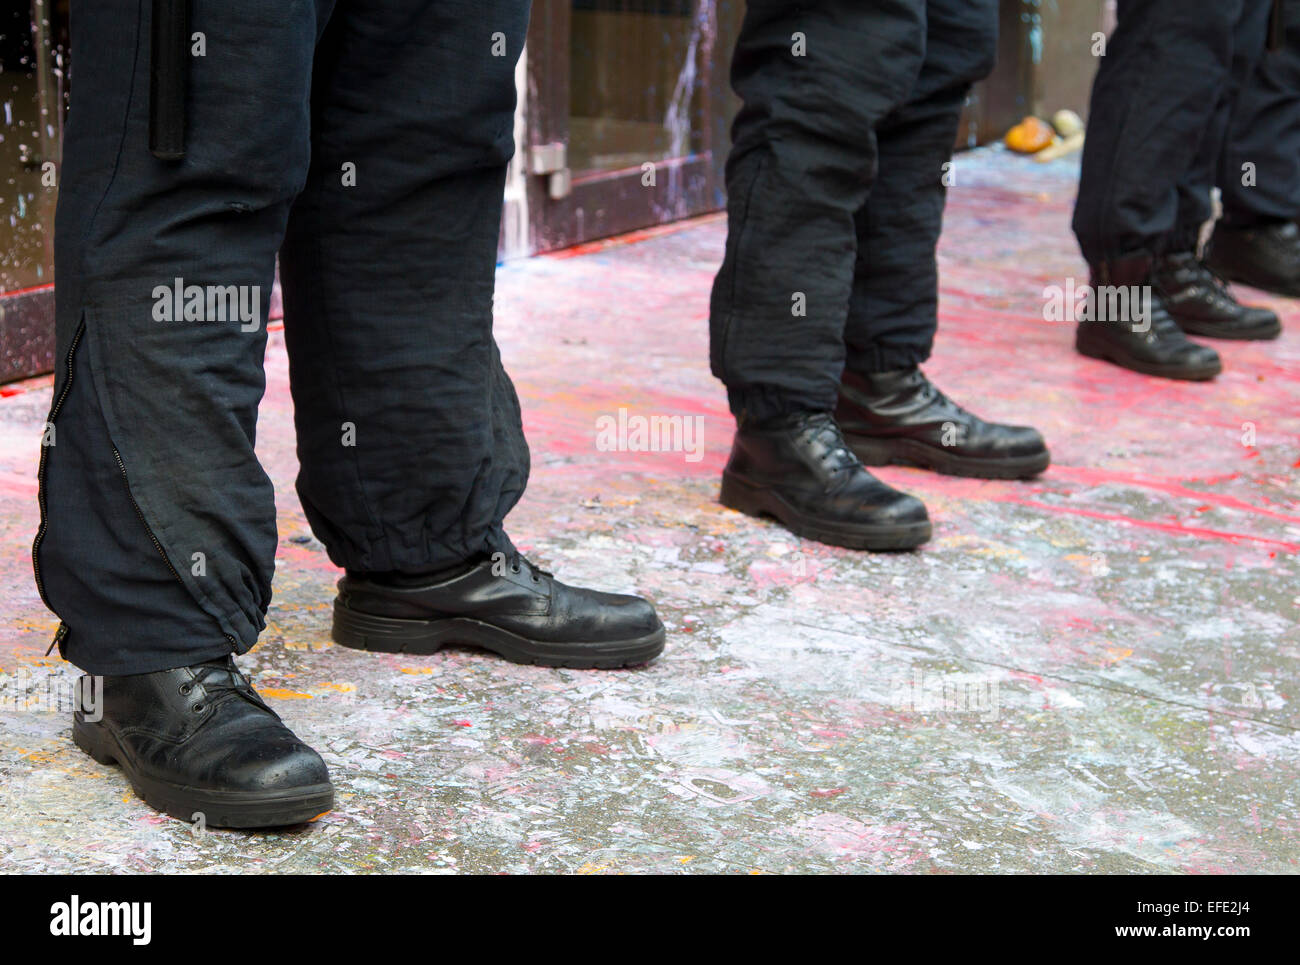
(1158, 122)
(836, 186)
(1264, 132)
(364, 140)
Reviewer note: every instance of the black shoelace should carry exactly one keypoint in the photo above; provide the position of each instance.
(1211, 279)
(518, 562)
(1162, 323)
(821, 427)
(222, 676)
(934, 397)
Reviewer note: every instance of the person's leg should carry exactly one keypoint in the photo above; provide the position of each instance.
(893, 311)
(410, 443)
(889, 411)
(1249, 35)
(409, 435)
(1156, 92)
(171, 398)
(814, 80)
(1196, 298)
(158, 533)
(1256, 241)
(1259, 166)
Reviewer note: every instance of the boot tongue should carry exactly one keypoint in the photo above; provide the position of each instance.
(911, 395)
(1208, 277)
(1179, 269)
(224, 676)
(222, 671)
(1181, 259)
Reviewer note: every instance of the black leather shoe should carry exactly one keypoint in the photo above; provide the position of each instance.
(1266, 257)
(506, 605)
(802, 473)
(1201, 303)
(199, 744)
(1152, 346)
(900, 418)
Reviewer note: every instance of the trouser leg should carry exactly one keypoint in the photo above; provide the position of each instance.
(172, 562)
(893, 311)
(1213, 157)
(815, 80)
(1264, 134)
(1156, 92)
(409, 435)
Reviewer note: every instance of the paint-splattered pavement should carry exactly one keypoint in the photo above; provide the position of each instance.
(1095, 671)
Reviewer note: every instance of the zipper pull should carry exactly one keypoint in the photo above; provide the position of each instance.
(59, 636)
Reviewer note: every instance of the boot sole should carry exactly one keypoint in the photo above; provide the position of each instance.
(1244, 278)
(910, 452)
(760, 501)
(1210, 330)
(219, 809)
(1186, 373)
(367, 631)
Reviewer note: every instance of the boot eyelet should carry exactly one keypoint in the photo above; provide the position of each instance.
(197, 708)
(185, 689)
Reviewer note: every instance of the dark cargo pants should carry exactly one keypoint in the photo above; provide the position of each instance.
(836, 187)
(1158, 122)
(1264, 132)
(364, 140)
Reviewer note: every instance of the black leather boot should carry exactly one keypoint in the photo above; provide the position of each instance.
(1266, 256)
(901, 418)
(1201, 303)
(199, 744)
(1153, 345)
(801, 472)
(506, 605)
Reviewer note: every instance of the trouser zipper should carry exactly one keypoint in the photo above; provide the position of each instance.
(40, 479)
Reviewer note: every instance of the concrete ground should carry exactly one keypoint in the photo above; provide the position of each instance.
(1091, 672)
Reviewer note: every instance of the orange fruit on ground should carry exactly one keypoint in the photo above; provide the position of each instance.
(1030, 136)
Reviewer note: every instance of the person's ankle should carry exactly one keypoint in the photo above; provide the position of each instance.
(781, 420)
(419, 575)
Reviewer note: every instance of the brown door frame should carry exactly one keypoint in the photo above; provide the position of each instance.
(604, 203)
